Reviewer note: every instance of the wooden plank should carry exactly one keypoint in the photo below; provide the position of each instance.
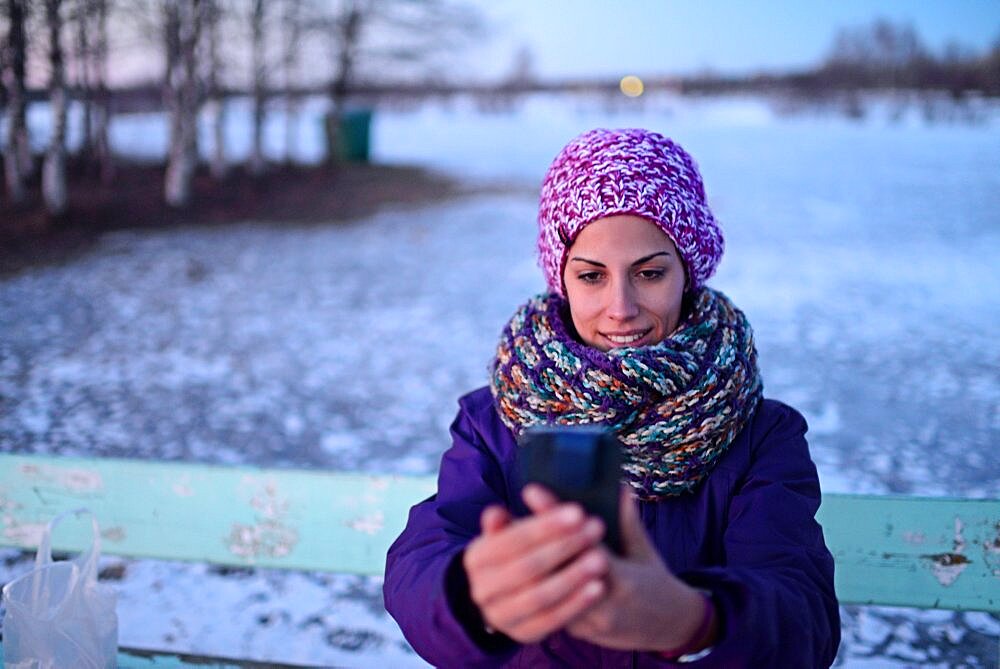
(291, 519)
(131, 658)
(150, 659)
(914, 551)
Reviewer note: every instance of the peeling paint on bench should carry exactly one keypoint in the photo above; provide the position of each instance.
(912, 551)
(947, 567)
(269, 536)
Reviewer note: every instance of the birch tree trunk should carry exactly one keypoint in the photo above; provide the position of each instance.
(216, 105)
(17, 154)
(102, 110)
(54, 167)
(256, 164)
(182, 99)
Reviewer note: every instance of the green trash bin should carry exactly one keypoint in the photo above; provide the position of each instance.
(352, 139)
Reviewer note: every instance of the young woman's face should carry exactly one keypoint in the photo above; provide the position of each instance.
(624, 282)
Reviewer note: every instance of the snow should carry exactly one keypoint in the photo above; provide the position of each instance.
(864, 254)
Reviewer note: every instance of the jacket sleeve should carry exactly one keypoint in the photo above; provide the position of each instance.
(775, 593)
(425, 587)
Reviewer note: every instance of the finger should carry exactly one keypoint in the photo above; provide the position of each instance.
(634, 537)
(534, 565)
(524, 534)
(539, 498)
(494, 519)
(556, 618)
(552, 602)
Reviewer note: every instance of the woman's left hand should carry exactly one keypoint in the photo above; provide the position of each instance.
(646, 607)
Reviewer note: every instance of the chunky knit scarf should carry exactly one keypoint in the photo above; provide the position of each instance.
(676, 406)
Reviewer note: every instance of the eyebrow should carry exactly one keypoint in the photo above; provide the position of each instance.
(637, 262)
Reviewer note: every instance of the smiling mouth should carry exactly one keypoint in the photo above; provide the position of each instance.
(626, 339)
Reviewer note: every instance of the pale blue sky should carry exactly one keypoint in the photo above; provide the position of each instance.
(594, 37)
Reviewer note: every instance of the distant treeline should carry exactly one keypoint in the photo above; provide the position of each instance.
(879, 56)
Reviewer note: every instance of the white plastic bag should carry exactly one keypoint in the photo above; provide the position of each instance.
(58, 616)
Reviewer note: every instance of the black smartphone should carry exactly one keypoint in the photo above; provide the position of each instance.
(579, 464)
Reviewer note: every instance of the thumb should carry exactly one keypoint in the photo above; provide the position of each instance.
(494, 519)
(634, 538)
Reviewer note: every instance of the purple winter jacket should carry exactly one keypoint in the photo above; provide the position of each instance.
(747, 534)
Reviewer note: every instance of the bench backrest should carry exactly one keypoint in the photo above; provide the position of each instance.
(897, 551)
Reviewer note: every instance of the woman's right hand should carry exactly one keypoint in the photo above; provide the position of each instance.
(532, 576)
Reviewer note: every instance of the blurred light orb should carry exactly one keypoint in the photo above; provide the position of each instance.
(631, 86)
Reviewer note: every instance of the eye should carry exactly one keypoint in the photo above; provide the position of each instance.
(590, 276)
(650, 274)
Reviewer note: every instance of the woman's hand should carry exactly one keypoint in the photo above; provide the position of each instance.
(645, 606)
(533, 576)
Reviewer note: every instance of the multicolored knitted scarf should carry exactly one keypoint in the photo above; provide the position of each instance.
(676, 406)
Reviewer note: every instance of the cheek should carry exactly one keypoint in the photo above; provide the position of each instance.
(671, 306)
(580, 312)
(583, 309)
(664, 304)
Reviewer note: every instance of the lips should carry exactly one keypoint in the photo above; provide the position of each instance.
(626, 338)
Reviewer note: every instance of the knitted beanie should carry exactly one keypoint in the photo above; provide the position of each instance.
(632, 171)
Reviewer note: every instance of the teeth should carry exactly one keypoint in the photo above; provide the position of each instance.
(626, 339)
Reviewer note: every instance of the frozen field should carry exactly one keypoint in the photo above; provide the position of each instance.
(865, 255)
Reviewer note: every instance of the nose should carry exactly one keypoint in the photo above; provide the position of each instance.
(622, 303)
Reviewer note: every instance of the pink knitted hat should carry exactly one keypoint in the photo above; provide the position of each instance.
(632, 171)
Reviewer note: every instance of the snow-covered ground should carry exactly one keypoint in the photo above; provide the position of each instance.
(863, 252)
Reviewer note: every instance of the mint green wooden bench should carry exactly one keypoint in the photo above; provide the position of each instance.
(894, 551)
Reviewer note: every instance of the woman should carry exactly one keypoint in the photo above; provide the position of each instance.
(724, 563)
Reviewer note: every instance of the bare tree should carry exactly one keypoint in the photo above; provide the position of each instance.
(81, 18)
(90, 19)
(372, 37)
(880, 54)
(182, 23)
(171, 48)
(54, 166)
(102, 109)
(257, 53)
(991, 69)
(346, 31)
(292, 25)
(17, 152)
(215, 99)
(522, 69)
